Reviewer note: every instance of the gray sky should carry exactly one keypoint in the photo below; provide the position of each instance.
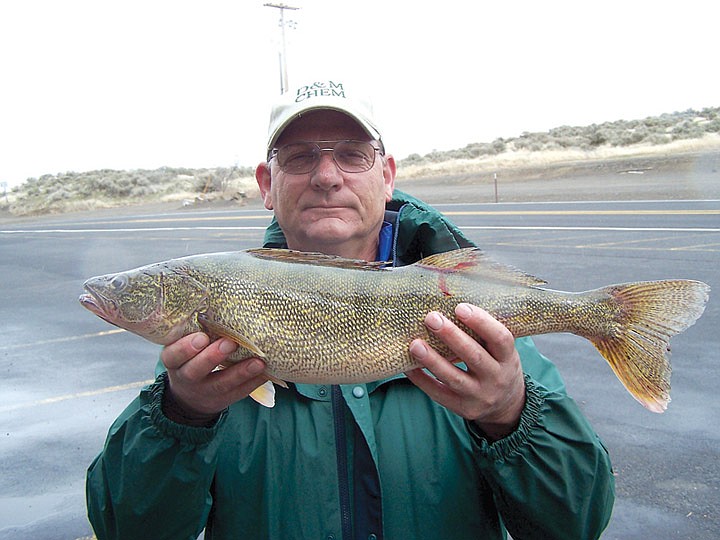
(90, 84)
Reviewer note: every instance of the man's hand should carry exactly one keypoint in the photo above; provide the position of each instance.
(197, 392)
(492, 390)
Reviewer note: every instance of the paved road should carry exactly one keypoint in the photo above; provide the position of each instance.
(65, 374)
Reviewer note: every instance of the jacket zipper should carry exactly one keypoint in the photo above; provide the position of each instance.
(338, 407)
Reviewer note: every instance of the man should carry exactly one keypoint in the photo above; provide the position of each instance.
(448, 452)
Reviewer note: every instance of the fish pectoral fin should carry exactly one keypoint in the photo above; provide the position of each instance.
(215, 329)
(473, 263)
(265, 394)
(277, 381)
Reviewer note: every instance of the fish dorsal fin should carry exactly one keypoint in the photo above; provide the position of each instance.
(315, 259)
(474, 263)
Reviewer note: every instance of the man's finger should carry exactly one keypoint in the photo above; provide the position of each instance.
(242, 377)
(498, 341)
(208, 359)
(175, 355)
(465, 347)
(446, 376)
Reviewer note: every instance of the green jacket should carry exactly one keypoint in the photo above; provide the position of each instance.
(380, 458)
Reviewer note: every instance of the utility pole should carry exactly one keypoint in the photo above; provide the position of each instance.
(283, 52)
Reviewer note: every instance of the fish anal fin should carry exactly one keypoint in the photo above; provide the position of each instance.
(472, 262)
(215, 329)
(315, 259)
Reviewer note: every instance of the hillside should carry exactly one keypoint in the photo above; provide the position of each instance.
(528, 153)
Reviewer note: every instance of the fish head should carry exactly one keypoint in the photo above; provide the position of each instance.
(159, 302)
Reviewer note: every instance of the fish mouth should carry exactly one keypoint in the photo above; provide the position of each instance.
(102, 307)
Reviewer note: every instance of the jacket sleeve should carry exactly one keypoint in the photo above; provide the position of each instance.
(552, 477)
(153, 477)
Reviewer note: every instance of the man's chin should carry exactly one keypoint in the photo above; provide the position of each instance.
(328, 231)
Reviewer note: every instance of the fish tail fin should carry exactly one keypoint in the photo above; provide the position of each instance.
(636, 344)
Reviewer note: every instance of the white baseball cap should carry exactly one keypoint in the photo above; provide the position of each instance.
(330, 94)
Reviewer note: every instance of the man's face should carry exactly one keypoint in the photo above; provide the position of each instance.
(328, 210)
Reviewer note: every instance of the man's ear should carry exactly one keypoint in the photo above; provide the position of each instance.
(262, 176)
(389, 172)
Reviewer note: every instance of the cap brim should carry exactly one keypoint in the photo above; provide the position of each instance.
(294, 111)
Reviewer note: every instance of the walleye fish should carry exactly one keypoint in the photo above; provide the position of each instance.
(323, 319)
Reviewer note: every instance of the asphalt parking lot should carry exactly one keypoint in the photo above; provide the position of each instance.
(65, 375)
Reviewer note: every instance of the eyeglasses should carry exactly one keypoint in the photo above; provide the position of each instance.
(304, 157)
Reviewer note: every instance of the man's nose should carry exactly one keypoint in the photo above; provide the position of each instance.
(326, 175)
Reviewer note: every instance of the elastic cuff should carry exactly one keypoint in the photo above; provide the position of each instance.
(179, 414)
(529, 419)
(189, 434)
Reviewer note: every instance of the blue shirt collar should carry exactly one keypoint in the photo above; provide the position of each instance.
(385, 243)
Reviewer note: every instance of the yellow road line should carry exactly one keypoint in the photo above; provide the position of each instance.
(76, 395)
(60, 340)
(537, 228)
(194, 218)
(583, 212)
(705, 248)
(653, 239)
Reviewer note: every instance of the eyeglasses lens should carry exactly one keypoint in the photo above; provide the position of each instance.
(349, 156)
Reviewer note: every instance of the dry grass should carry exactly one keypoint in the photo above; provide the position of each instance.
(523, 158)
(530, 153)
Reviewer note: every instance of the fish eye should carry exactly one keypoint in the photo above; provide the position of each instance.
(119, 282)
